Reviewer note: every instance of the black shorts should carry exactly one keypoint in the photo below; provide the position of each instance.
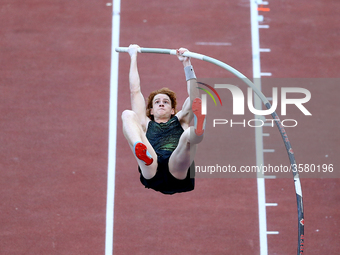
(165, 182)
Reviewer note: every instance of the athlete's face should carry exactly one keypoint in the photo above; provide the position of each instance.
(161, 106)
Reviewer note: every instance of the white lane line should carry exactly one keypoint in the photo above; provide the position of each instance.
(214, 43)
(273, 232)
(265, 134)
(111, 172)
(262, 215)
(268, 150)
(267, 125)
(261, 192)
(263, 26)
(260, 18)
(271, 204)
(266, 74)
(269, 177)
(264, 50)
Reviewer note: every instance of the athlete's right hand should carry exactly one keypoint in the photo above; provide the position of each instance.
(133, 50)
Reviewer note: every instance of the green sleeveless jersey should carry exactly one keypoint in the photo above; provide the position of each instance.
(164, 137)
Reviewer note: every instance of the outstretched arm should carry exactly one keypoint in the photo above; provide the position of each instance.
(137, 99)
(185, 115)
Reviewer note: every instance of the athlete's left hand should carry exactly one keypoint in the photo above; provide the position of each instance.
(179, 53)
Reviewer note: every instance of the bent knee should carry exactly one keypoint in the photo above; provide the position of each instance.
(189, 136)
(128, 114)
(186, 135)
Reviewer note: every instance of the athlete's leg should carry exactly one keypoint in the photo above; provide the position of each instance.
(133, 133)
(182, 158)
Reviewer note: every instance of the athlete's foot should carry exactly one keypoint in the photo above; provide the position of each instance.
(199, 118)
(142, 153)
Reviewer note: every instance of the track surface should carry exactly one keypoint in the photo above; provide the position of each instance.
(54, 101)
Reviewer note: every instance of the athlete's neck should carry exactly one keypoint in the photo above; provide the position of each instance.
(161, 120)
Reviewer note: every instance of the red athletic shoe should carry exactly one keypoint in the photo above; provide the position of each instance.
(142, 153)
(199, 118)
